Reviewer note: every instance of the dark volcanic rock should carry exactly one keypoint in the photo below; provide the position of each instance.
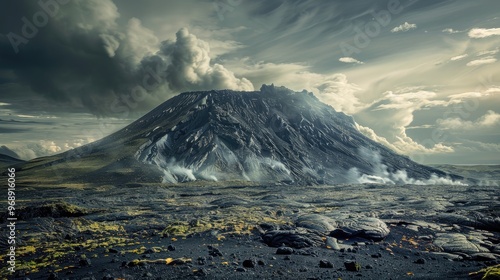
(171, 248)
(249, 263)
(458, 243)
(316, 222)
(214, 252)
(284, 251)
(420, 261)
(368, 228)
(352, 266)
(325, 264)
(299, 238)
(84, 262)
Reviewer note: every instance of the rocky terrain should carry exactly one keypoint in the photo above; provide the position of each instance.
(246, 231)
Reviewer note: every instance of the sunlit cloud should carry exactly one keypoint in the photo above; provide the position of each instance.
(459, 57)
(482, 61)
(404, 27)
(350, 60)
(479, 33)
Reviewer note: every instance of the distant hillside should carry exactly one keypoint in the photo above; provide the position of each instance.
(6, 161)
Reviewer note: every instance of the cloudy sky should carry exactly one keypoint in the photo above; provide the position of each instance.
(421, 77)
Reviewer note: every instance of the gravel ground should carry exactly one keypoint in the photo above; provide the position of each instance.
(217, 232)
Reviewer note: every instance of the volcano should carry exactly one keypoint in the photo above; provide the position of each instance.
(271, 135)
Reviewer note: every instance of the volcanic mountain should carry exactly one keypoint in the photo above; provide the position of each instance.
(271, 135)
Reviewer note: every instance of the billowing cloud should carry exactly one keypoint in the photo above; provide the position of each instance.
(404, 27)
(493, 90)
(350, 60)
(486, 121)
(479, 33)
(191, 68)
(397, 110)
(337, 91)
(48, 147)
(482, 61)
(92, 62)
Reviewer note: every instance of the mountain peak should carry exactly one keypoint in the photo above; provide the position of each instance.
(270, 135)
(267, 136)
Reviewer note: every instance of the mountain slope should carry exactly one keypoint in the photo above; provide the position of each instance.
(271, 135)
(7, 161)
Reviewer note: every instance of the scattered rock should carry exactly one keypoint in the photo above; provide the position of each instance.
(352, 266)
(331, 242)
(171, 248)
(284, 251)
(377, 255)
(113, 250)
(261, 262)
(420, 261)
(241, 269)
(249, 263)
(108, 277)
(305, 252)
(202, 260)
(369, 266)
(214, 252)
(200, 272)
(325, 264)
(84, 262)
(53, 276)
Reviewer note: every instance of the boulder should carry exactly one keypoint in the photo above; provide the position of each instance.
(368, 228)
(316, 222)
(458, 243)
(298, 238)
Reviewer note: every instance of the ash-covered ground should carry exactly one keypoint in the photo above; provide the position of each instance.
(245, 231)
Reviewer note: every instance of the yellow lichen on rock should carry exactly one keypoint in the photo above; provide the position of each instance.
(489, 273)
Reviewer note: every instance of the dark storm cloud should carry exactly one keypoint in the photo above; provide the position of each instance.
(75, 54)
(66, 59)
